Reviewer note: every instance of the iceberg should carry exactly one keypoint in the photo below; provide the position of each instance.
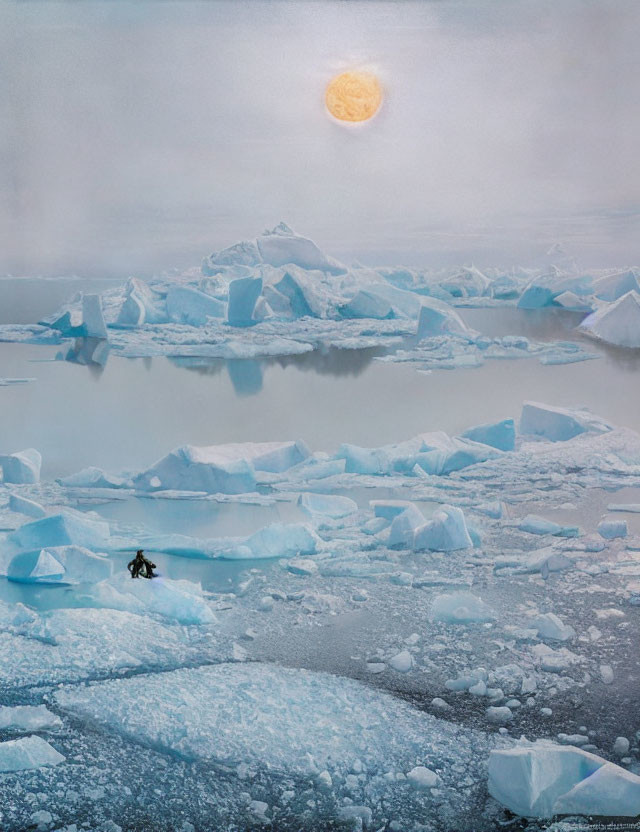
(186, 305)
(180, 601)
(438, 318)
(617, 323)
(67, 528)
(244, 293)
(21, 467)
(26, 718)
(460, 608)
(558, 423)
(445, 532)
(26, 753)
(543, 779)
(59, 565)
(500, 435)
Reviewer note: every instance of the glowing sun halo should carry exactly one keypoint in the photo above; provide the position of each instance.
(353, 96)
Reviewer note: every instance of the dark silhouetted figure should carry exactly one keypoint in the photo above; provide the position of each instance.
(141, 566)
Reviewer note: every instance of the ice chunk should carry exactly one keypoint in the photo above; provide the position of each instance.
(186, 305)
(421, 777)
(367, 304)
(81, 318)
(543, 779)
(214, 470)
(545, 561)
(614, 286)
(327, 505)
(93, 325)
(621, 746)
(181, 601)
(25, 718)
(299, 290)
(92, 478)
(141, 305)
(538, 525)
(282, 246)
(460, 608)
(499, 435)
(59, 564)
(23, 505)
(572, 302)
(26, 753)
(441, 454)
(67, 528)
(21, 467)
(388, 509)
(438, 318)
(35, 567)
(445, 532)
(403, 527)
(499, 715)
(243, 297)
(552, 627)
(557, 423)
(616, 323)
(610, 529)
(228, 469)
(280, 541)
(469, 282)
(402, 662)
(364, 460)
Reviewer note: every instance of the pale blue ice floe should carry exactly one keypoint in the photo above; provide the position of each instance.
(62, 565)
(27, 753)
(543, 779)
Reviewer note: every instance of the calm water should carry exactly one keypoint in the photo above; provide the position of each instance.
(127, 414)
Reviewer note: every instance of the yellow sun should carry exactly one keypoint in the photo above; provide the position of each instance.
(353, 96)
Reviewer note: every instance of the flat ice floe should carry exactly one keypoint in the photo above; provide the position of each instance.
(74, 644)
(325, 729)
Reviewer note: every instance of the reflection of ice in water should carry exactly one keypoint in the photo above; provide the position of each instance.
(94, 352)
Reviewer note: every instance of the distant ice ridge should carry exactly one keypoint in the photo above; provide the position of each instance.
(280, 294)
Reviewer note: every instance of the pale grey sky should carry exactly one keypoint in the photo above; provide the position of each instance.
(137, 136)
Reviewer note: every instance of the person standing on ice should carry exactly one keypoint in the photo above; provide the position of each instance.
(141, 566)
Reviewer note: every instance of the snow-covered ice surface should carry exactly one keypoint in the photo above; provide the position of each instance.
(343, 630)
